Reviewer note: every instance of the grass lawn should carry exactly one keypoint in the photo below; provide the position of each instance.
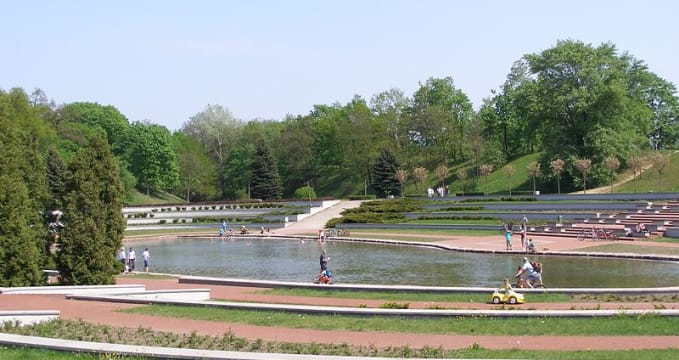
(405, 296)
(618, 325)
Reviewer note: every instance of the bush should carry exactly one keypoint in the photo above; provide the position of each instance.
(305, 192)
(362, 197)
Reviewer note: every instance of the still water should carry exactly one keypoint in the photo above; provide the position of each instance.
(361, 263)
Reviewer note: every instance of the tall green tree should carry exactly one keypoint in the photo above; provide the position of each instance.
(440, 115)
(588, 107)
(196, 172)
(265, 181)
(104, 117)
(23, 190)
(385, 181)
(93, 219)
(152, 158)
(218, 131)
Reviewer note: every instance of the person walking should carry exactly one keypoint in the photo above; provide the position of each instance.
(122, 257)
(131, 259)
(147, 259)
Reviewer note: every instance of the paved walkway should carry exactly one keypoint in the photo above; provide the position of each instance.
(107, 313)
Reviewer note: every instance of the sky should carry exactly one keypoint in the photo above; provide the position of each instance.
(164, 61)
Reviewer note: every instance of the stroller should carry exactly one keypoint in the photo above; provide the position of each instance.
(324, 277)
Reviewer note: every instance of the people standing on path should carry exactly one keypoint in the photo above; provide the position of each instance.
(146, 255)
(122, 257)
(522, 231)
(132, 258)
(324, 260)
(508, 236)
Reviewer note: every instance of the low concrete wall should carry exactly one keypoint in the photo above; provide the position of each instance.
(177, 294)
(66, 290)
(153, 352)
(28, 317)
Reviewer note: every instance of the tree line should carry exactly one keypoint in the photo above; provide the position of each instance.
(588, 111)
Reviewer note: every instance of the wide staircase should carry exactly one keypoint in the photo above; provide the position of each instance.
(656, 220)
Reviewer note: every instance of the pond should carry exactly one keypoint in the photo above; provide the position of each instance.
(365, 263)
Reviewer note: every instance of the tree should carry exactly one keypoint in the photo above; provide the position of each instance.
(441, 114)
(442, 173)
(420, 174)
(305, 192)
(509, 171)
(635, 163)
(104, 117)
(462, 176)
(589, 101)
(557, 166)
(196, 172)
(583, 166)
(265, 182)
(23, 191)
(384, 174)
(401, 177)
(152, 158)
(612, 164)
(93, 220)
(485, 170)
(534, 171)
(218, 131)
(659, 162)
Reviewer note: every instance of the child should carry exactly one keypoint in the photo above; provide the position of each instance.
(507, 286)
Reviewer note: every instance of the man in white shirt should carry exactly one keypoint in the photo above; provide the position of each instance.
(147, 259)
(131, 259)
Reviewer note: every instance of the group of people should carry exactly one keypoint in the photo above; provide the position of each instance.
(440, 192)
(508, 230)
(324, 277)
(529, 274)
(129, 259)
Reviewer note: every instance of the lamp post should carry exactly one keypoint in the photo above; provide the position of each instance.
(308, 185)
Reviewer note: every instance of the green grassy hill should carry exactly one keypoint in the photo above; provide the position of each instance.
(136, 198)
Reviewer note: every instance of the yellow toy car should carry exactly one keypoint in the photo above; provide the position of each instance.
(502, 296)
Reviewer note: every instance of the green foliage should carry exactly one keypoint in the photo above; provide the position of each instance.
(93, 218)
(378, 212)
(152, 157)
(305, 192)
(266, 182)
(23, 189)
(99, 117)
(384, 174)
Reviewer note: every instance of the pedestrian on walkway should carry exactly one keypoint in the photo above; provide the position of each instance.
(131, 259)
(122, 257)
(508, 236)
(147, 259)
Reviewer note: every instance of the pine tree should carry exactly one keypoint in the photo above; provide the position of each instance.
(385, 182)
(22, 191)
(93, 221)
(266, 182)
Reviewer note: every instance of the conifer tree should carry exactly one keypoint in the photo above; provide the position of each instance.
(93, 221)
(22, 191)
(266, 181)
(385, 181)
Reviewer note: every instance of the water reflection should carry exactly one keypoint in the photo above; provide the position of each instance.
(294, 260)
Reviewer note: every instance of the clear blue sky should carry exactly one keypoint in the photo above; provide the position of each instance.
(164, 61)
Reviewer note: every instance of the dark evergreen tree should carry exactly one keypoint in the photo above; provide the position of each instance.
(56, 180)
(92, 217)
(384, 174)
(265, 181)
(22, 191)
